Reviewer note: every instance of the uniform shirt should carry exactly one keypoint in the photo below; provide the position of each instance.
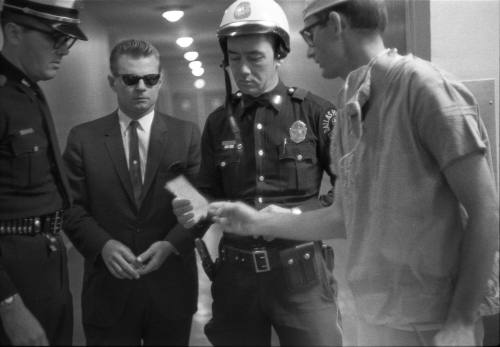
(274, 166)
(402, 219)
(143, 134)
(29, 177)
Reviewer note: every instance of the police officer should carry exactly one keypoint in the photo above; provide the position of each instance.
(35, 302)
(268, 146)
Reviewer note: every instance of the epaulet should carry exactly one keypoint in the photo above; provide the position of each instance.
(3, 80)
(298, 93)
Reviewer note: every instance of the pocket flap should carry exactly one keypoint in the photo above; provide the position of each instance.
(297, 151)
(30, 143)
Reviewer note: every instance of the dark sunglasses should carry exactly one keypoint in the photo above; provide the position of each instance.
(307, 32)
(149, 80)
(60, 40)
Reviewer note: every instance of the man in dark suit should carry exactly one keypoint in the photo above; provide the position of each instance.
(140, 281)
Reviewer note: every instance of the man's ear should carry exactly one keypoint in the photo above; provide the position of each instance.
(112, 81)
(335, 21)
(12, 33)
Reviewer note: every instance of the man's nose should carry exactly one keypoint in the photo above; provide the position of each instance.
(140, 84)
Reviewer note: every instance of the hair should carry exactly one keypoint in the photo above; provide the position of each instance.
(133, 48)
(363, 14)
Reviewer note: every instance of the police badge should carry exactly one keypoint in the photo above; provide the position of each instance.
(298, 131)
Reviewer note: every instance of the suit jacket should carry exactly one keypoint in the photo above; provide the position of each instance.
(104, 208)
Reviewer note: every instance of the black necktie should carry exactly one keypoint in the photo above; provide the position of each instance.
(250, 102)
(134, 161)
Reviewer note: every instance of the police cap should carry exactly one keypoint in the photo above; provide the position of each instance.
(60, 15)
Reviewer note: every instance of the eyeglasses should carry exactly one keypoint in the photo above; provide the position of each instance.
(149, 80)
(307, 32)
(60, 40)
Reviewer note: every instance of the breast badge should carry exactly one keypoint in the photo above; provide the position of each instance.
(298, 131)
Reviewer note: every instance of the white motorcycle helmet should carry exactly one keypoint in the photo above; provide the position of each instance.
(246, 17)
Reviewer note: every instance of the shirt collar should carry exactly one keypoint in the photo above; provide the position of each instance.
(145, 122)
(13, 73)
(276, 96)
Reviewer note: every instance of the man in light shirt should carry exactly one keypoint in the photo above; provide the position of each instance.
(140, 281)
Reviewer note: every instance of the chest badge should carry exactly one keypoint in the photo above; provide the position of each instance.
(298, 131)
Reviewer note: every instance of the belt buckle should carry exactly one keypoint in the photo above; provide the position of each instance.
(261, 260)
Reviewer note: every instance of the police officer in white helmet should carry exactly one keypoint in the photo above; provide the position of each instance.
(268, 146)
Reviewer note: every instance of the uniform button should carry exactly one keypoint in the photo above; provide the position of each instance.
(138, 230)
(299, 157)
(259, 126)
(290, 262)
(135, 162)
(260, 200)
(261, 178)
(307, 256)
(260, 152)
(222, 163)
(35, 149)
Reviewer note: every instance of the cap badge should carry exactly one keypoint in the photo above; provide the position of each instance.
(243, 10)
(298, 131)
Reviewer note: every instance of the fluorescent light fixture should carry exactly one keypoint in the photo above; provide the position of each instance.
(190, 56)
(199, 83)
(195, 65)
(173, 16)
(198, 72)
(184, 41)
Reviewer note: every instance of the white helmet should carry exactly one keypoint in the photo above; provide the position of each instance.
(245, 17)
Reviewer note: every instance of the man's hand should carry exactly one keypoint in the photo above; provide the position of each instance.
(119, 259)
(183, 210)
(21, 327)
(234, 217)
(456, 334)
(274, 209)
(154, 256)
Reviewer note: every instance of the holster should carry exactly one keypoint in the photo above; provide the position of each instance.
(299, 266)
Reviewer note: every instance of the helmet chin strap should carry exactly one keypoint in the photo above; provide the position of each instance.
(229, 106)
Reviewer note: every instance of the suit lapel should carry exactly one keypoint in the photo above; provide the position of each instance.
(158, 143)
(114, 144)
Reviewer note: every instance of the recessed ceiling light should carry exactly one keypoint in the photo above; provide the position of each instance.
(173, 15)
(199, 83)
(190, 56)
(184, 41)
(194, 64)
(198, 72)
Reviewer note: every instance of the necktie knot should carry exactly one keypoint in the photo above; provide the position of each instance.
(262, 100)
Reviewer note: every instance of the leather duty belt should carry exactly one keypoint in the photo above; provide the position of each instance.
(49, 224)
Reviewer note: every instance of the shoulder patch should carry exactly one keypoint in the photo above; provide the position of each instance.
(3, 80)
(298, 93)
(328, 120)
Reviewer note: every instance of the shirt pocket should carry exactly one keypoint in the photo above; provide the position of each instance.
(29, 159)
(228, 164)
(298, 166)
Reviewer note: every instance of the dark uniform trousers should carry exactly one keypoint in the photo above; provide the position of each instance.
(277, 154)
(32, 185)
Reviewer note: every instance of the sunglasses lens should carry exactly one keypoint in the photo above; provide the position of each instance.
(130, 80)
(151, 80)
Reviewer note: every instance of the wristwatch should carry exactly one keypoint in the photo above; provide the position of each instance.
(7, 301)
(296, 210)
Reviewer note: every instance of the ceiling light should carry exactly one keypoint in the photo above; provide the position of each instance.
(195, 65)
(199, 83)
(190, 56)
(173, 16)
(198, 72)
(184, 41)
